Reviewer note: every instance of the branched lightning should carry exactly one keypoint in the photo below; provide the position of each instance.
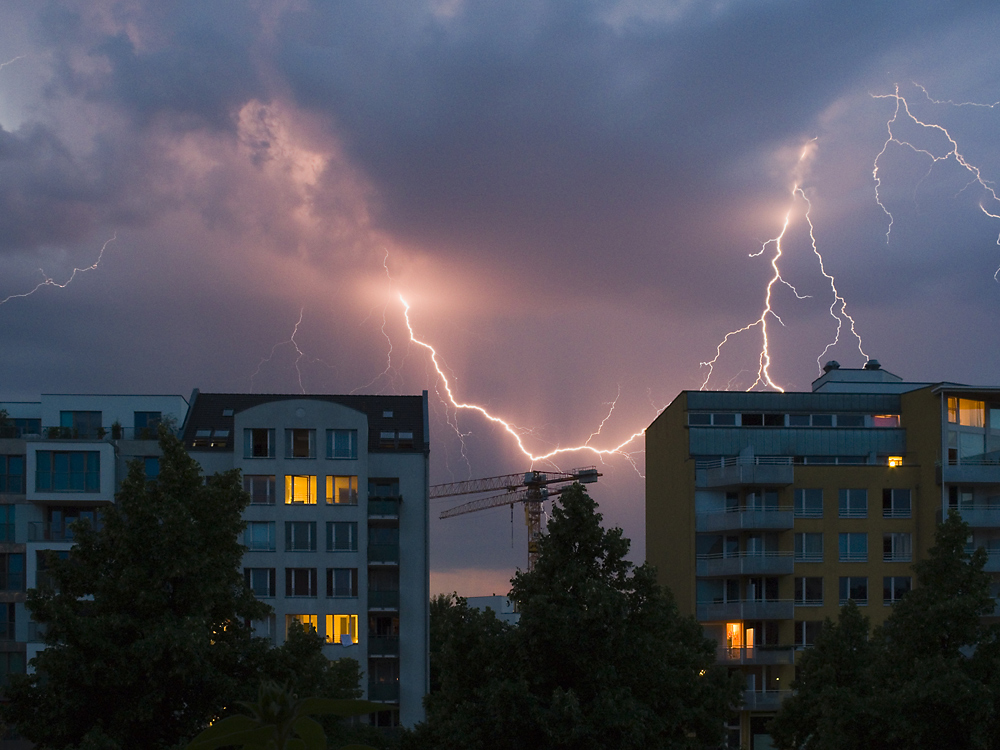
(389, 370)
(950, 152)
(300, 356)
(512, 430)
(12, 60)
(49, 281)
(837, 310)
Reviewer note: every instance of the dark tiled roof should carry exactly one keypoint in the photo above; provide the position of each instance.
(207, 413)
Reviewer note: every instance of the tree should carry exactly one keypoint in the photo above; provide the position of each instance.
(926, 678)
(600, 657)
(146, 623)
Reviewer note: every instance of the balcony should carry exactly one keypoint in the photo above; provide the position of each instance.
(36, 632)
(775, 609)
(744, 564)
(992, 561)
(984, 469)
(745, 518)
(737, 471)
(384, 600)
(383, 554)
(43, 531)
(12, 581)
(384, 507)
(761, 700)
(731, 656)
(6, 532)
(383, 645)
(383, 692)
(115, 432)
(981, 516)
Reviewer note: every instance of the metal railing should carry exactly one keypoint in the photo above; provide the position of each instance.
(992, 460)
(896, 513)
(897, 557)
(384, 507)
(383, 692)
(113, 432)
(742, 553)
(383, 645)
(808, 602)
(809, 557)
(723, 462)
(853, 557)
(383, 553)
(383, 599)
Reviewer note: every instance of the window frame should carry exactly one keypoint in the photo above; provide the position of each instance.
(292, 489)
(344, 453)
(251, 446)
(334, 583)
(848, 502)
(90, 474)
(249, 536)
(849, 588)
(334, 493)
(331, 536)
(271, 581)
(301, 583)
(293, 438)
(293, 532)
(847, 542)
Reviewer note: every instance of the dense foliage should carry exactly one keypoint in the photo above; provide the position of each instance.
(146, 621)
(929, 677)
(600, 657)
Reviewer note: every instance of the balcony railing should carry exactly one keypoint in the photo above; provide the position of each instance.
(757, 609)
(721, 463)
(981, 516)
(383, 692)
(764, 700)
(43, 531)
(383, 645)
(745, 517)
(744, 563)
(733, 471)
(383, 553)
(384, 507)
(897, 557)
(383, 599)
(732, 655)
(97, 433)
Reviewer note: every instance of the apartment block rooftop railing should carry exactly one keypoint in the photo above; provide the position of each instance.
(725, 461)
(96, 434)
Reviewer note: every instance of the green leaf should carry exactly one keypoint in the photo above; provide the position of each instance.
(311, 733)
(338, 707)
(239, 737)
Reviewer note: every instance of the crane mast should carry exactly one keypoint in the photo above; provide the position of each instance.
(530, 488)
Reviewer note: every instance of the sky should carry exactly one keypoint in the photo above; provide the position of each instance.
(577, 201)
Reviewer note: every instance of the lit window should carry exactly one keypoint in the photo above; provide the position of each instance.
(342, 490)
(300, 489)
(67, 471)
(300, 443)
(342, 582)
(342, 536)
(895, 461)
(259, 536)
(970, 413)
(300, 536)
(306, 621)
(342, 444)
(342, 629)
(258, 442)
(885, 420)
(261, 488)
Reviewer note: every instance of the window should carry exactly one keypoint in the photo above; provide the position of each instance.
(7, 525)
(854, 588)
(67, 471)
(300, 536)
(813, 420)
(808, 503)
(147, 424)
(809, 547)
(12, 474)
(300, 489)
(81, 424)
(395, 440)
(12, 571)
(342, 490)
(300, 581)
(806, 631)
(896, 547)
(762, 500)
(383, 488)
(895, 503)
(11, 662)
(259, 536)
(853, 503)
(7, 622)
(961, 497)
(854, 547)
(300, 443)
(894, 461)
(809, 592)
(261, 581)
(342, 582)
(342, 536)
(885, 420)
(59, 521)
(966, 412)
(752, 420)
(342, 629)
(341, 443)
(260, 487)
(258, 442)
(151, 466)
(43, 563)
(762, 589)
(893, 588)
(306, 621)
(17, 427)
(850, 420)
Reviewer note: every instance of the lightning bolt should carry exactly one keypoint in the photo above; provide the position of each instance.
(300, 356)
(12, 60)
(49, 281)
(389, 370)
(511, 429)
(837, 309)
(902, 106)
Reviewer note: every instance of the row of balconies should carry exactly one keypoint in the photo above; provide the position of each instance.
(745, 564)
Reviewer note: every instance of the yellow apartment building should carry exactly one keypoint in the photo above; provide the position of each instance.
(766, 511)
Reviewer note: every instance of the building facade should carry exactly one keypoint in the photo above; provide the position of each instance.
(337, 528)
(766, 511)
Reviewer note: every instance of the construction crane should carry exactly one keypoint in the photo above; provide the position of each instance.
(530, 488)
